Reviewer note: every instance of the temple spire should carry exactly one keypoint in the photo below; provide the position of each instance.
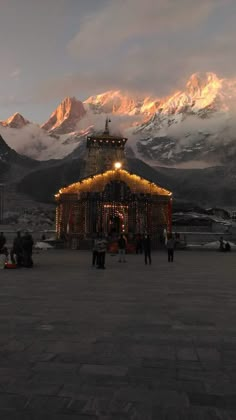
(107, 126)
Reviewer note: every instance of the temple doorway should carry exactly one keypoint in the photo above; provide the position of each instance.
(115, 218)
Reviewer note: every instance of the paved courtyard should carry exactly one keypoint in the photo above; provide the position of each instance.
(130, 342)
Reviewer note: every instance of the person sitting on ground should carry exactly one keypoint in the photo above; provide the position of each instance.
(227, 247)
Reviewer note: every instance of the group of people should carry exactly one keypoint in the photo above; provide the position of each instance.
(20, 255)
(143, 245)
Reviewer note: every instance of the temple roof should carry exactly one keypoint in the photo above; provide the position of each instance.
(97, 183)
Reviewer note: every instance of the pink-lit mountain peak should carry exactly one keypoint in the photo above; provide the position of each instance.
(200, 91)
(15, 121)
(121, 103)
(66, 116)
(200, 80)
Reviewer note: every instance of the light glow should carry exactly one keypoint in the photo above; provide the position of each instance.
(117, 165)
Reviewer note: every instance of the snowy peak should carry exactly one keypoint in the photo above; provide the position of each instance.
(200, 81)
(201, 91)
(204, 95)
(66, 117)
(119, 103)
(15, 121)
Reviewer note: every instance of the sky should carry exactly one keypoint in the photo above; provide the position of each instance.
(51, 49)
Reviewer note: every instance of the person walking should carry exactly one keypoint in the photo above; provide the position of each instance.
(147, 249)
(122, 248)
(170, 245)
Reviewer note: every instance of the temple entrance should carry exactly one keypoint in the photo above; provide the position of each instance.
(115, 225)
(115, 218)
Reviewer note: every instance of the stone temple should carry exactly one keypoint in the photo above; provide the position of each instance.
(110, 199)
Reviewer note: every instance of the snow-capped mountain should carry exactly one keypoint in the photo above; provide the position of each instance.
(66, 117)
(195, 124)
(15, 121)
(44, 143)
(119, 103)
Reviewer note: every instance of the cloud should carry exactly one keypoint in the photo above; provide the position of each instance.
(13, 100)
(15, 73)
(122, 21)
(150, 47)
(36, 143)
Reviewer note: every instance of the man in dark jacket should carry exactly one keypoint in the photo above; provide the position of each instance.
(27, 246)
(147, 248)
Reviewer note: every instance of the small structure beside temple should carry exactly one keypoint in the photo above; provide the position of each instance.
(111, 200)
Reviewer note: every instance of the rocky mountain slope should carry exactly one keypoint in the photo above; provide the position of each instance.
(9, 156)
(15, 121)
(66, 117)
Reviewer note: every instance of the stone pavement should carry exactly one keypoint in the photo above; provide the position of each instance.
(130, 342)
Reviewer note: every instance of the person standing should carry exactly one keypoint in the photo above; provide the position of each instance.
(139, 245)
(27, 246)
(95, 251)
(170, 245)
(101, 249)
(2, 241)
(121, 248)
(147, 248)
(17, 250)
(222, 244)
(3, 258)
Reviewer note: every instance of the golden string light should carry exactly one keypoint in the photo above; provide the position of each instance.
(97, 183)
